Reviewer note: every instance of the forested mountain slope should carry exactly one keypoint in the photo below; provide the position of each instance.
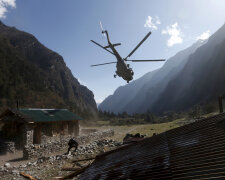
(37, 76)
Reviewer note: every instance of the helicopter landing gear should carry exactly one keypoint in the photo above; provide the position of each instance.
(114, 76)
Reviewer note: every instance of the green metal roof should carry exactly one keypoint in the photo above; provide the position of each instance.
(49, 115)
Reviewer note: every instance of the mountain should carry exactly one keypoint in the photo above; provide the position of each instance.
(193, 76)
(124, 94)
(153, 89)
(37, 76)
(200, 81)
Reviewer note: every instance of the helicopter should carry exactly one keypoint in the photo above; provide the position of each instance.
(122, 68)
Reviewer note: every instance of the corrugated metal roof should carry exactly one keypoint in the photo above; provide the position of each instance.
(49, 115)
(194, 151)
(44, 115)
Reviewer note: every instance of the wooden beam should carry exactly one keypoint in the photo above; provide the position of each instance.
(27, 176)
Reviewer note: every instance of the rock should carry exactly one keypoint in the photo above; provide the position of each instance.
(40, 160)
(23, 166)
(36, 177)
(7, 165)
(65, 156)
(69, 157)
(15, 172)
(2, 169)
(58, 157)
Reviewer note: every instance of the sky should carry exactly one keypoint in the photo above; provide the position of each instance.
(67, 26)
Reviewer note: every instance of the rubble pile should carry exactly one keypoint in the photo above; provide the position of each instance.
(97, 147)
(95, 136)
(130, 138)
(39, 150)
(56, 162)
(10, 147)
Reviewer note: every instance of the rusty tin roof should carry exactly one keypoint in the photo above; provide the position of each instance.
(194, 151)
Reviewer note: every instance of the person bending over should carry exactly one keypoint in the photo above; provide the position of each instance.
(72, 143)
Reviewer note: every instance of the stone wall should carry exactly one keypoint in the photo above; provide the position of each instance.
(95, 136)
(27, 135)
(32, 151)
(88, 131)
(7, 146)
(19, 134)
(10, 147)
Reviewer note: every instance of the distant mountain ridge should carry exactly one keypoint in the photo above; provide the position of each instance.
(37, 76)
(179, 84)
(201, 80)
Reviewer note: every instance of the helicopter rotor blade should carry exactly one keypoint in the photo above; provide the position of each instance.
(150, 60)
(138, 45)
(101, 26)
(102, 47)
(103, 64)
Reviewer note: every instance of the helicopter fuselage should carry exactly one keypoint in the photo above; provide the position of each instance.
(123, 69)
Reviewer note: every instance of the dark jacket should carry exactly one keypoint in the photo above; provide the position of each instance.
(72, 143)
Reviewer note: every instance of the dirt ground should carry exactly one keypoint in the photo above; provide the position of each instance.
(13, 158)
(16, 159)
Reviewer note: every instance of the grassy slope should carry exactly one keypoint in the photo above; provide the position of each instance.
(147, 129)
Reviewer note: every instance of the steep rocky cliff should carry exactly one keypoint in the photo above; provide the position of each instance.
(201, 80)
(37, 76)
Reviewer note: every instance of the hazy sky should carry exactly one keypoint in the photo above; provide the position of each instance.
(67, 26)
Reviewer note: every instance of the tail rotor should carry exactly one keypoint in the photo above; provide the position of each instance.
(101, 27)
(103, 31)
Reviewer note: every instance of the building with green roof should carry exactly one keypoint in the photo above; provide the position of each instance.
(36, 126)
